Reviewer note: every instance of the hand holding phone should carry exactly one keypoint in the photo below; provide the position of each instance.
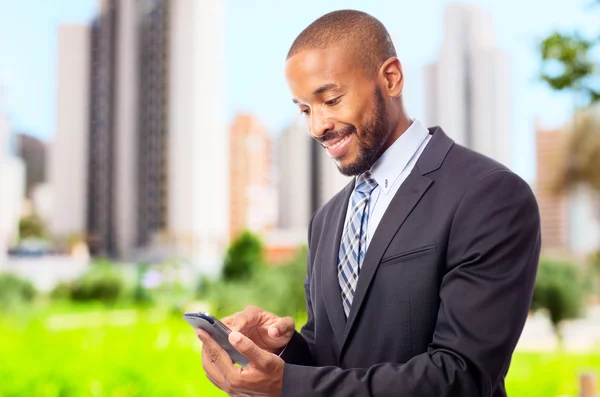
(267, 330)
(218, 331)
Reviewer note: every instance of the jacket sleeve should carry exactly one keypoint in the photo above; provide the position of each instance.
(485, 295)
(299, 349)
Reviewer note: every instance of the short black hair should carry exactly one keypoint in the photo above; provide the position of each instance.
(360, 32)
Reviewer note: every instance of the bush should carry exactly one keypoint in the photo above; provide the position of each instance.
(62, 291)
(15, 291)
(277, 289)
(559, 290)
(102, 282)
(244, 257)
(31, 227)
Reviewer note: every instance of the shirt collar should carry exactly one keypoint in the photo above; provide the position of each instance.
(394, 160)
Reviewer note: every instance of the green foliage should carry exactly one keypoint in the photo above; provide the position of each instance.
(72, 352)
(244, 257)
(14, 291)
(279, 289)
(568, 64)
(102, 282)
(559, 290)
(31, 227)
(141, 295)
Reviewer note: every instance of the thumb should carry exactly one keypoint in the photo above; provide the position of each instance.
(284, 327)
(257, 356)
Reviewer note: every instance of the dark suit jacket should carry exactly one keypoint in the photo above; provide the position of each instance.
(443, 292)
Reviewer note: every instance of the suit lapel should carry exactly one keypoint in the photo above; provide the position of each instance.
(329, 277)
(407, 196)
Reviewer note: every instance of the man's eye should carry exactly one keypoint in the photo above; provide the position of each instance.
(305, 112)
(334, 101)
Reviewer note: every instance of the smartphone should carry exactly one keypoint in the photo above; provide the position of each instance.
(218, 331)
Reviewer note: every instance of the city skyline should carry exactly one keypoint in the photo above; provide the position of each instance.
(32, 109)
(140, 138)
(31, 73)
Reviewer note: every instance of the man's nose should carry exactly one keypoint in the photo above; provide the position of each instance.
(319, 124)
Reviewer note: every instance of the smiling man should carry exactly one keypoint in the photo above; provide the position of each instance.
(420, 272)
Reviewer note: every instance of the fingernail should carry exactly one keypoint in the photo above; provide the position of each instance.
(235, 337)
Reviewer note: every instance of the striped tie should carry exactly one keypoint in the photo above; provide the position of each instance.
(353, 244)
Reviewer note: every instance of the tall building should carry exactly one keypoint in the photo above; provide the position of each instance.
(467, 90)
(127, 99)
(153, 136)
(198, 144)
(157, 149)
(252, 195)
(33, 152)
(307, 178)
(570, 220)
(68, 151)
(294, 177)
(12, 180)
(125, 139)
(329, 180)
(554, 206)
(101, 138)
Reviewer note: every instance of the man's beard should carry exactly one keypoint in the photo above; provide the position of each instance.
(371, 139)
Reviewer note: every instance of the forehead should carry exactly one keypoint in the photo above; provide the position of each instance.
(311, 69)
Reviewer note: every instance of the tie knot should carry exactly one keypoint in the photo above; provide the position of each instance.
(365, 183)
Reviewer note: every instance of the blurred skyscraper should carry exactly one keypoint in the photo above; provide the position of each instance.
(328, 179)
(554, 206)
(198, 143)
(68, 166)
(467, 91)
(33, 152)
(101, 144)
(157, 146)
(253, 198)
(294, 164)
(152, 215)
(12, 182)
(307, 176)
(570, 220)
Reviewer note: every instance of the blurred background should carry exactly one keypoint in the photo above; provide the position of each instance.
(152, 162)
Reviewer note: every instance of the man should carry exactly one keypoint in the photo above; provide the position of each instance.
(420, 272)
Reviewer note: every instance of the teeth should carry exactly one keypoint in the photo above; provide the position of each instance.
(338, 143)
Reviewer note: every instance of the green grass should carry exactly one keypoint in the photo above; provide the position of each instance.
(120, 353)
(549, 375)
(87, 350)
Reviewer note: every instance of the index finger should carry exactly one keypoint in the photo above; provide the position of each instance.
(241, 320)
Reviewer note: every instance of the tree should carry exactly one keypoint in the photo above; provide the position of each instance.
(559, 291)
(570, 64)
(244, 257)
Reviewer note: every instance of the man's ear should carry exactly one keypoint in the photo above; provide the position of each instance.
(393, 77)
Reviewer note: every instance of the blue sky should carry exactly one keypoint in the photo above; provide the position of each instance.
(258, 34)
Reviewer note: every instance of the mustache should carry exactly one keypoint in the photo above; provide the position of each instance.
(329, 135)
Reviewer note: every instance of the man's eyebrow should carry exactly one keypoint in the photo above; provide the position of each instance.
(320, 90)
(325, 87)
